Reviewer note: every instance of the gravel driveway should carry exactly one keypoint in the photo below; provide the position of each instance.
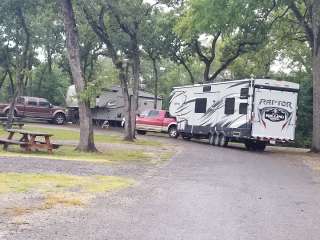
(204, 193)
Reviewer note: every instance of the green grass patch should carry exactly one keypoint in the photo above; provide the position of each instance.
(69, 153)
(74, 135)
(48, 183)
(56, 189)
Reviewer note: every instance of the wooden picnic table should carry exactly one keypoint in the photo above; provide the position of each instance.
(16, 122)
(28, 140)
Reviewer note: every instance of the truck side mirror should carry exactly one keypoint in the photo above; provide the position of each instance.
(50, 105)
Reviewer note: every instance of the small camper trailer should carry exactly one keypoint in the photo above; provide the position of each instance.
(109, 105)
(253, 111)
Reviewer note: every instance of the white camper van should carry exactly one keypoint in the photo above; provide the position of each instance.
(253, 111)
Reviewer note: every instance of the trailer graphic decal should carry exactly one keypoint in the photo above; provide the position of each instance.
(275, 114)
(275, 102)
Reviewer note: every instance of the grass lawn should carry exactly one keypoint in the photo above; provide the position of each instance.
(53, 183)
(74, 135)
(116, 155)
(68, 153)
(56, 189)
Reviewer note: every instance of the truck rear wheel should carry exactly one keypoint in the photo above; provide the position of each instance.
(140, 132)
(173, 132)
(59, 119)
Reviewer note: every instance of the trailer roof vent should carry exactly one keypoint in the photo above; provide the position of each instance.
(207, 88)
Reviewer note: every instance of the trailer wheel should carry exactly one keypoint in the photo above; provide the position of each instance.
(223, 140)
(211, 139)
(216, 141)
(105, 124)
(249, 145)
(186, 137)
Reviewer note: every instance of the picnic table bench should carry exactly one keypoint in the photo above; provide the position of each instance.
(16, 122)
(19, 125)
(28, 140)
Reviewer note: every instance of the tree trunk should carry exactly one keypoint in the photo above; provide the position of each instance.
(123, 77)
(135, 84)
(86, 142)
(3, 79)
(316, 103)
(17, 92)
(49, 60)
(11, 83)
(156, 81)
(316, 75)
(43, 72)
(188, 70)
(206, 73)
(21, 63)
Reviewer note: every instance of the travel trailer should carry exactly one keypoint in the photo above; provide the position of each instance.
(109, 105)
(253, 111)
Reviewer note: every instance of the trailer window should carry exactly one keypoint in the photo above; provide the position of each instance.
(244, 93)
(207, 89)
(229, 106)
(201, 105)
(243, 108)
(20, 100)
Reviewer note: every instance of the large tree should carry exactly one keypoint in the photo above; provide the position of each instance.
(86, 142)
(307, 14)
(118, 25)
(18, 47)
(233, 28)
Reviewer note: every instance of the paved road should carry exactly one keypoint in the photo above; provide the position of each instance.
(204, 193)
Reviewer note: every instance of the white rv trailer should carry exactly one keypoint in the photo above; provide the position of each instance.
(253, 111)
(109, 106)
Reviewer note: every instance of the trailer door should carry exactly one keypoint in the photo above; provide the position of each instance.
(274, 113)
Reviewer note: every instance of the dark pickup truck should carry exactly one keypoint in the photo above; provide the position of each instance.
(36, 108)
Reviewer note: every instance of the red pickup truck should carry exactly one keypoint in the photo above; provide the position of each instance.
(156, 121)
(36, 108)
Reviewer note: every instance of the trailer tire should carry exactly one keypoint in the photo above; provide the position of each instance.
(249, 145)
(216, 140)
(211, 139)
(223, 140)
(186, 137)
